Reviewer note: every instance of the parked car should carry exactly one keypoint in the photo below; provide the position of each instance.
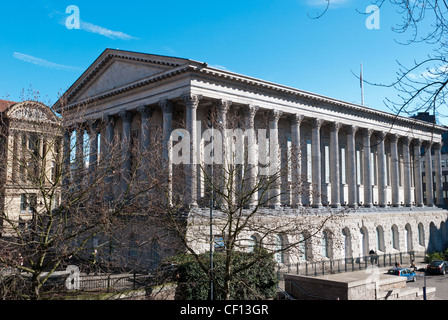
(437, 267)
(403, 272)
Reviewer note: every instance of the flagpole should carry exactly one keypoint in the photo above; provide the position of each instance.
(362, 87)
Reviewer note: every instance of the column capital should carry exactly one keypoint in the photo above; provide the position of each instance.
(427, 144)
(93, 128)
(296, 118)
(251, 110)
(335, 126)
(393, 138)
(109, 119)
(351, 129)
(381, 135)
(275, 115)
(191, 100)
(145, 111)
(223, 105)
(437, 146)
(366, 132)
(417, 142)
(406, 140)
(67, 130)
(126, 116)
(166, 106)
(316, 123)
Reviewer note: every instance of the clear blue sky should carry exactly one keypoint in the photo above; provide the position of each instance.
(274, 40)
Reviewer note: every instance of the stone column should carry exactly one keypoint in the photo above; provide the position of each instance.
(438, 169)
(146, 114)
(351, 166)
(382, 198)
(274, 159)
(167, 145)
(252, 156)
(418, 173)
(316, 162)
(79, 153)
(407, 172)
(108, 157)
(428, 174)
(191, 104)
(222, 108)
(66, 159)
(296, 160)
(93, 152)
(367, 133)
(394, 174)
(126, 118)
(335, 168)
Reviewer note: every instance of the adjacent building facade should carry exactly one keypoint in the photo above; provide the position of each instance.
(350, 156)
(28, 149)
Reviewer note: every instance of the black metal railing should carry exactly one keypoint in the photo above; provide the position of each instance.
(332, 266)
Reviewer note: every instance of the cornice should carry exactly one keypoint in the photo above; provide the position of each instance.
(319, 99)
(198, 68)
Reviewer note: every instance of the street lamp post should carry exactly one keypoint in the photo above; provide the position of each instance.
(212, 204)
(212, 196)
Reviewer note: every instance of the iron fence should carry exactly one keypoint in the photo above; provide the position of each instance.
(115, 283)
(332, 266)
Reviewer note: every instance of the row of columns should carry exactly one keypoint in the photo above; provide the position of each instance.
(191, 104)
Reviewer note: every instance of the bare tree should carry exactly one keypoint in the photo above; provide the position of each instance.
(73, 198)
(421, 86)
(240, 209)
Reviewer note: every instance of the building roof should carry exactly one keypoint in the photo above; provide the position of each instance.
(5, 104)
(86, 90)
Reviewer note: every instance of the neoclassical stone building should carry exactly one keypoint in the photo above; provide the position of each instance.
(351, 156)
(28, 151)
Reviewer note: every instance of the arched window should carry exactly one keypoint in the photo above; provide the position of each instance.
(363, 242)
(325, 248)
(302, 247)
(253, 243)
(380, 239)
(443, 233)
(347, 243)
(433, 237)
(279, 247)
(394, 237)
(408, 237)
(421, 234)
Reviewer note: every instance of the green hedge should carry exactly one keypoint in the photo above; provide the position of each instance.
(258, 282)
(436, 256)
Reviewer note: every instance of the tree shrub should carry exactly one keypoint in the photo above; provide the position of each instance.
(255, 282)
(436, 256)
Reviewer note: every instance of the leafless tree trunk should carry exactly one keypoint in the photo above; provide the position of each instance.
(238, 212)
(66, 200)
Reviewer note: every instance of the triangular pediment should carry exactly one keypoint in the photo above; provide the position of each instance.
(115, 69)
(118, 73)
